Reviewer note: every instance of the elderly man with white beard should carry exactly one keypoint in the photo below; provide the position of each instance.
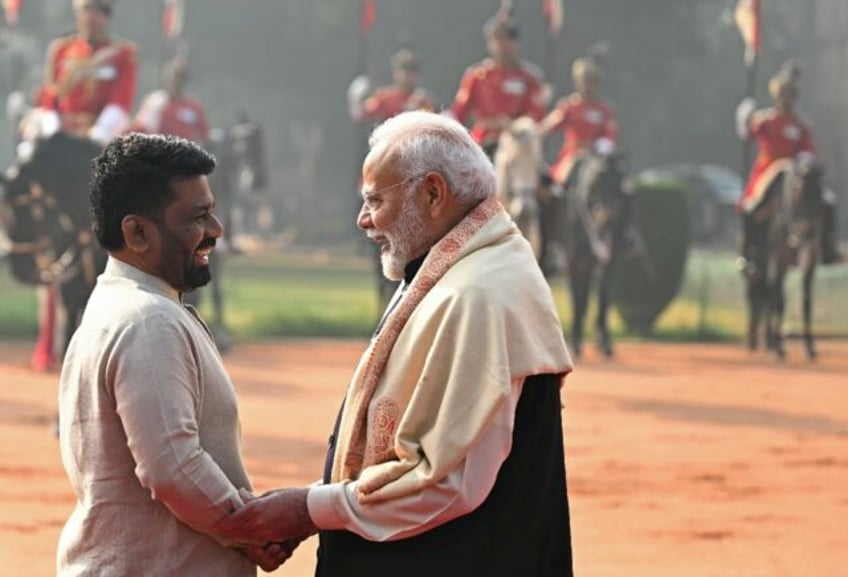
(447, 455)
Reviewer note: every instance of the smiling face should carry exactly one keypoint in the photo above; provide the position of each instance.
(393, 216)
(186, 233)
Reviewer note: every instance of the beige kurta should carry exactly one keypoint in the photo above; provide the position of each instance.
(149, 435)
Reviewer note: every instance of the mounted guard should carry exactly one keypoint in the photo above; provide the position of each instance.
(84, 101)
(499, 89)
(784, 143)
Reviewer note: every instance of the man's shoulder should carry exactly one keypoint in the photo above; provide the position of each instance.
(764, 115)
(62, 43)
(482, 68)
(570, 101)
(385, 91)
(532, 71)
(125, 48)
(190, 101)
(604, 104)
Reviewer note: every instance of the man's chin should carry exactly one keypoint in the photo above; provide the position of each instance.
(198, 277)
(392, 268)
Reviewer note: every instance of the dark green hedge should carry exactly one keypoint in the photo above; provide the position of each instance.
(649, 276)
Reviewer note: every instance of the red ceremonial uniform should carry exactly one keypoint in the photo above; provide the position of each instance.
(779, 136)
(489, 93)
(184, 117)
(391, 100)
(583, 121)
(81, 80)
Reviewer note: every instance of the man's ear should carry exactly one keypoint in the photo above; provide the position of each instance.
(137, 231)
(436, 193)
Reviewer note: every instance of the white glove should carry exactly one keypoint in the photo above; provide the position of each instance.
(16, 106)
(805, 158)
(149, 115)
(546, 95)
(356, 91)
(39, 123)
(604, 146)
(743, 117)
(113, 120)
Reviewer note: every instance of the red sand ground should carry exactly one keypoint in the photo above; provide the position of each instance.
(683, 460)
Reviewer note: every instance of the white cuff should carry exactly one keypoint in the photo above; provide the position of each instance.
(743, 117)
(356, 92)
(604, 146)
(111, 122)
(321, 503)
(149, 116)
(39, 123)
(805, 157)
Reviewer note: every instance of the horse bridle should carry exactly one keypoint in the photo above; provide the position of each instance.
(62, 268)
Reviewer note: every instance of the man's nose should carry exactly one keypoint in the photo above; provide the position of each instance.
(215, 228)
(363, 220)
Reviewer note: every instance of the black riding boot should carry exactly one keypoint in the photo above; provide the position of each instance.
(745, 262)
(829, 248)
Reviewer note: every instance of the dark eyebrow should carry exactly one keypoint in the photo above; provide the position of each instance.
(204, 207)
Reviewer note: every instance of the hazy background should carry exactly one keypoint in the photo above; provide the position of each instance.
(675, 74)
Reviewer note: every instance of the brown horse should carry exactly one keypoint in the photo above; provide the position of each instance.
(785, 233)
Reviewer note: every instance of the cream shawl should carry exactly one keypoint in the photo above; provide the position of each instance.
(477, 318)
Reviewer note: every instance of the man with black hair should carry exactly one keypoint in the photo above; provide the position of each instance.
(148, 419)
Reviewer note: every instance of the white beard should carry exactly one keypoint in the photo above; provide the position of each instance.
(410, 232)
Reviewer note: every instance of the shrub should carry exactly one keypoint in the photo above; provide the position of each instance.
(650, 274)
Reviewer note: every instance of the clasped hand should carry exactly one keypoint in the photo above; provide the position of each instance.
(268, 527)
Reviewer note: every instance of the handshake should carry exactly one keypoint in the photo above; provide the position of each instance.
(268, 528)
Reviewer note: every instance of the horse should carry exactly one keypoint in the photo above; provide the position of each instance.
(518, 162)
(785, 233)
(242, 179)
(45, 214)
(598, 214)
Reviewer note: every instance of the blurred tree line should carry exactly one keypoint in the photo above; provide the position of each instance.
(674, 72)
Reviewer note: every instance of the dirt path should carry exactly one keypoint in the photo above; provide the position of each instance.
(683, 460)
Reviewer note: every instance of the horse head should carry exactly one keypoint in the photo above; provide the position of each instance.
(518, 161)
(606, 193)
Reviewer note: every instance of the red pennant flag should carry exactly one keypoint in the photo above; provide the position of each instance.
(12, 9)
(369, 14)
(553, 14)
(747, 16)
(173, 19)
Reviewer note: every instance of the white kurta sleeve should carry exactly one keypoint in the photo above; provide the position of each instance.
(337, 505)
(158, 393)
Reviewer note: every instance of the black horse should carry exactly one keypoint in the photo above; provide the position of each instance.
(240, 180)
(46, 218)
(598, 211)
(784, 233)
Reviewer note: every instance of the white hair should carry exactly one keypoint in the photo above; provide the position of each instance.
(421, 142)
